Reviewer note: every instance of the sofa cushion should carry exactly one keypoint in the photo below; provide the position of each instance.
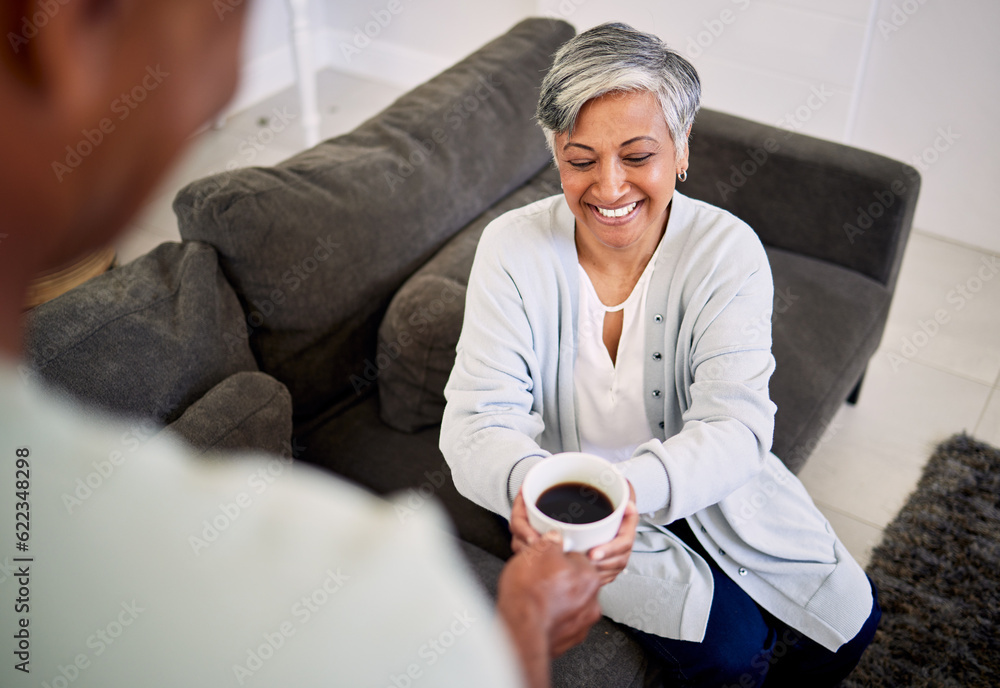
(146, 339)
(317, 245)
(246, 411)
(418, 335)
(827, 323)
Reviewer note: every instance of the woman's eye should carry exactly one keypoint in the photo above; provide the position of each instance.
(636, 159)
(581, 165)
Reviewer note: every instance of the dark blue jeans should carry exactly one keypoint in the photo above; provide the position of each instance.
(746, 647)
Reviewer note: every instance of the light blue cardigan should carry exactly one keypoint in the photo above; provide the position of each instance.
(708, 360)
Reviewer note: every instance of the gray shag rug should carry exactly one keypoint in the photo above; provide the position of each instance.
(937, 570)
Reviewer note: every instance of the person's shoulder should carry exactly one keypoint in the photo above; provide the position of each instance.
(713, 219)
(716, 229)
(528, 234)
(719, 248)
(280, 538)
(531, 222)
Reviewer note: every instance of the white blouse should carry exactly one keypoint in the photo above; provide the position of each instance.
(611, 414)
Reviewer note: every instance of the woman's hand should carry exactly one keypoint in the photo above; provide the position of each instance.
(609, 559)
(523, 535)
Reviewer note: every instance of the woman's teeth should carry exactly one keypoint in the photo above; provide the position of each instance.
(620, 212)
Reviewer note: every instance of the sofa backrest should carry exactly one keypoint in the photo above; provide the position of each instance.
(813, 197)
(317, 245)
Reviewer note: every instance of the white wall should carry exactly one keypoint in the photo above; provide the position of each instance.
(419, 39)
(267, 55)
(931, 97)
(401, 42)
(915, 80)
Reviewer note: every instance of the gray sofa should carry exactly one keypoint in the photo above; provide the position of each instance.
(313, 307)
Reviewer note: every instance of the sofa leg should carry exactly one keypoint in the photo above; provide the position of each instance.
(852, 398)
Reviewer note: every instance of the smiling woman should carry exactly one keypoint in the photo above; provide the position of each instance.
(623, 319)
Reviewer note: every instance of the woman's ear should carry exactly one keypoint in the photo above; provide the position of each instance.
(682, 163)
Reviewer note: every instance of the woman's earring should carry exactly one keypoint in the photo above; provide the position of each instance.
(683, 176)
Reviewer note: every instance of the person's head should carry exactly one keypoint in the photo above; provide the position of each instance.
(616, 58)
(617, 108)
(99, 97)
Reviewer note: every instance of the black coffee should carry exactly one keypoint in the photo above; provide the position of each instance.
(574, 503)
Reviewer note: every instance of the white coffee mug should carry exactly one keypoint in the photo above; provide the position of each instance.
(576, 467)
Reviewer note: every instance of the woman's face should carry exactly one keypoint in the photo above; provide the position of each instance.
(618, 169)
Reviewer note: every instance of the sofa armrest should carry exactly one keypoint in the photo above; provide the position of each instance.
(248, 411)
(813, 197)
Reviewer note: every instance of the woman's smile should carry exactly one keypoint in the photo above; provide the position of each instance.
(618, 215)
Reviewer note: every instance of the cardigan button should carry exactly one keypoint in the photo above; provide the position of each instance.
(656, 393)
(742, 571)
(661, 425)
(722, 552)
(657, 356)
(658, 318)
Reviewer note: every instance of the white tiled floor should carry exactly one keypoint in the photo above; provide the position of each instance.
(937, 371)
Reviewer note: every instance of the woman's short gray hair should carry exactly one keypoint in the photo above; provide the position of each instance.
(618, 58)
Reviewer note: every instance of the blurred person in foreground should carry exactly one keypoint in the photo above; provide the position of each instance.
(624, 319)
(318, 583)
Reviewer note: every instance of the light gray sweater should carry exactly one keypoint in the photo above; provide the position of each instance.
(511, 403)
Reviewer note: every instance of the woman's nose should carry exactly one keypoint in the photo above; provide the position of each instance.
(611, 183)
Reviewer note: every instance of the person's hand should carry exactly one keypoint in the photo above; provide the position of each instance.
(548, 600)
(522, 534)
(611, 557)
